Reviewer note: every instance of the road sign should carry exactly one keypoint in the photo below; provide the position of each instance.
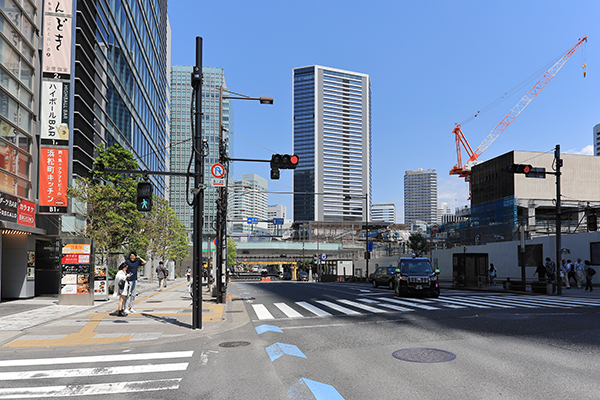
(370, 246)
(217, 170)
(323, 256)
(252, 220)
(218, 182)
(215, 242)
(277, 221)
(435, 229)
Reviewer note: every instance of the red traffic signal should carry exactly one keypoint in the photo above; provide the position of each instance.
(284, 161)
(520, 168)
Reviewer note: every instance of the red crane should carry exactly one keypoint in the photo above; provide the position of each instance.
(464, 171)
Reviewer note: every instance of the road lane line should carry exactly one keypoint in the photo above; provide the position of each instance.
(262, 312)
(315, 310)
(337, 307)
(407, 303)
(362, 306)
(95, 359)
(289, 311)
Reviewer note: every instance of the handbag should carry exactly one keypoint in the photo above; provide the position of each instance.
(122, 284)
(591, 271)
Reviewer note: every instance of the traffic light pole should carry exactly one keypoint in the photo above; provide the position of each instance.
(199, 197)
(558, 162)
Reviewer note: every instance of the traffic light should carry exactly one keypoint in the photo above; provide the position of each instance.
(519, 168)
(144, 196)
(282, 161)
(592, 223)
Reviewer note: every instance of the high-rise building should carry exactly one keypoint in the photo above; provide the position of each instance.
(275, 211)
(597, 140)
(384, 212)
(248, 199)
(332, 137)
(420, 196)
(181, 141)
(122, 83)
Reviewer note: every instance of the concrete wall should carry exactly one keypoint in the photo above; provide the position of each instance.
(505, 257)
(14, 266)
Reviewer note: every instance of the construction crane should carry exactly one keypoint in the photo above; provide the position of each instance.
(464, 171)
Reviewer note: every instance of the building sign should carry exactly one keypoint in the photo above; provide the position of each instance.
(54, 180)
(26, 213)
(75, 258)
(54, 119)
(58, 32)
(77, 270)
(16, 210)
(77, 248)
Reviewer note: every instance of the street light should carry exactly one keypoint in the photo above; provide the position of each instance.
(367, 254)
(222, 201)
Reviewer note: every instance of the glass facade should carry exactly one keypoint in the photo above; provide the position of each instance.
(332, 137)
(18, 61)
(420, 196)
(121, 83)
(181, 140)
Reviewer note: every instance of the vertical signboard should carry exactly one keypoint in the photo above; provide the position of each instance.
(58, 33)
(54, 180)
(54, 119)
(77, 272)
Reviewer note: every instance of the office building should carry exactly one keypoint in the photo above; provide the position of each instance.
(332, 137)
(181, 144)
(420, 196)
(248, 199)
(596, 140)
(383, 212)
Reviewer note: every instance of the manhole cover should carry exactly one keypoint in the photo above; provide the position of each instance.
(234, 344)
(424, 355)
(506, 316)
(154, 301)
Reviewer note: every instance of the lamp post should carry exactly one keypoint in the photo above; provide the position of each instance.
(367, 253)
(221, 227)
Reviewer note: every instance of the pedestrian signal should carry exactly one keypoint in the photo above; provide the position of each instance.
(144, 196)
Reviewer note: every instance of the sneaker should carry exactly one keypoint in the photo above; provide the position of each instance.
(122, 313)
(131, 311)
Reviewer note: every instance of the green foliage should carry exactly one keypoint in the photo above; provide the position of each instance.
(108, 203)
(418, 244)
(231, 252)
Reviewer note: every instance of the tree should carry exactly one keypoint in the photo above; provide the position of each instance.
(418, 244)
(231, 252)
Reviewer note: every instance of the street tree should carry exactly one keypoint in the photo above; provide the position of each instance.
(231, 252)
(418, 244)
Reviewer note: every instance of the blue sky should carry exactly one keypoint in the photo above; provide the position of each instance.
(431, 63)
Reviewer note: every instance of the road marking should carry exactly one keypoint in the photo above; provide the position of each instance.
(289, 311)
(514, 302)
(92, 389)
(315, 310)
(362, 306)
(407, 303)
(454, 301)
(95, 359)
(262, 312)
(477, 300)
(76, 372)
(337, 307)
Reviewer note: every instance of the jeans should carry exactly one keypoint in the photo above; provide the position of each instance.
(131, 297)
(161, 283)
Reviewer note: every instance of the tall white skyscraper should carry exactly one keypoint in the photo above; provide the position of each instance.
(332, 137)
(248, 199)
(420, 196)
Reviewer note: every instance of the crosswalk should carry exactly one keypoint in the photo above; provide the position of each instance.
(381, 305)
(69, 376)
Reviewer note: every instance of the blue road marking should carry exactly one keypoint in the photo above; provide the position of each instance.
(306, 389)
(268, 328)
(278, 349)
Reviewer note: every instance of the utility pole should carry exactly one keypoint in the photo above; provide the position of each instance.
(221, 207)
(198, 191)
(558, 162)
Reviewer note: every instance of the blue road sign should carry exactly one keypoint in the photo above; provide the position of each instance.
(370, 246)
(252, 220)
(277, 221)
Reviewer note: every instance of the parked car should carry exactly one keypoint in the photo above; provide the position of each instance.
(287, 276)
(303, 276)
(385, 276)
(417, 276)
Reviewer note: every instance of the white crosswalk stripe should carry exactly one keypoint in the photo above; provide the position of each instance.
(126, 378)
(380, 305)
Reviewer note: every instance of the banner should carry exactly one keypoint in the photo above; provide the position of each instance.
(54, 180)
(58, 33)
(54, 119)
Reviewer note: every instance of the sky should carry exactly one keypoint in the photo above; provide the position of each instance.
(432, 64)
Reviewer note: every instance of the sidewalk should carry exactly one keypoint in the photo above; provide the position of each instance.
(160, 315)
(573, 292)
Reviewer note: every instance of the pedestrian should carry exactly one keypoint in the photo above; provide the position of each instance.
(188, 273)
(493, 274)
(161, 273)
(564, 273)
(541, 273)
(121, 288)
(589, 274)
(579, 272)
(550, 269)
(133, 264)
(571, 272)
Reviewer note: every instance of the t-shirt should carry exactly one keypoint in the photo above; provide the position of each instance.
(133, 268)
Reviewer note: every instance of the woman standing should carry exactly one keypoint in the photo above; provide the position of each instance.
(589, 273)
(121, 288)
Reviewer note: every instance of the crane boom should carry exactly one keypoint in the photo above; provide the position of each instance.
(524, 102)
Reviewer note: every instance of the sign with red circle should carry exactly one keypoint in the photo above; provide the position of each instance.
(435, 229)
(217, 170)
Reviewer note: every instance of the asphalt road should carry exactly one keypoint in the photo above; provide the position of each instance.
(299, 340)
